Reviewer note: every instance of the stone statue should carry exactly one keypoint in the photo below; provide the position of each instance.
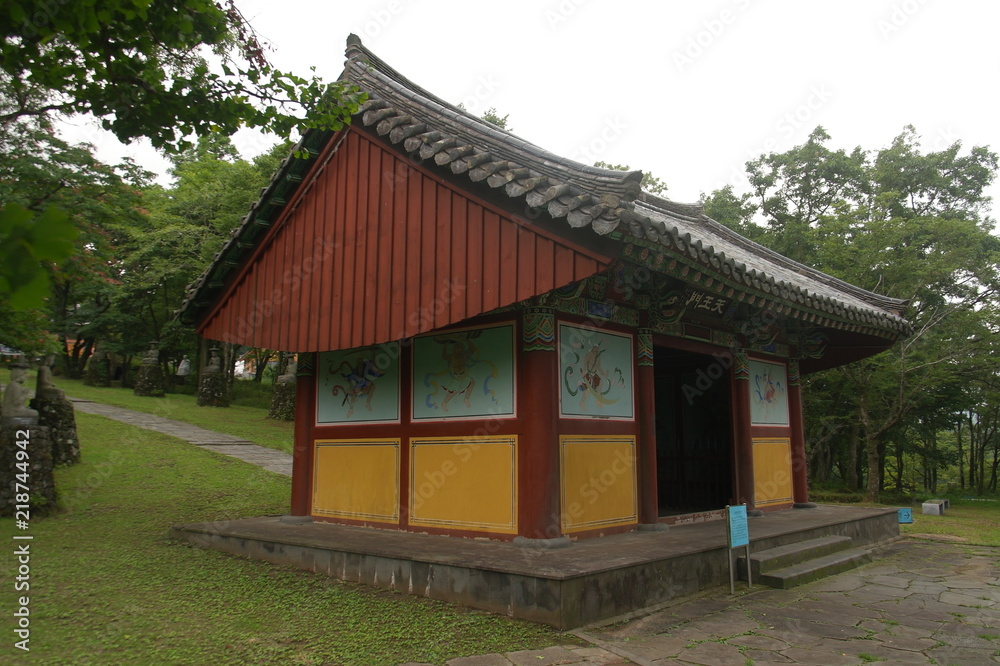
(289, 376)
(45, 387)
(184, 367)
(214, 363)
(15, 411)
(152, 356)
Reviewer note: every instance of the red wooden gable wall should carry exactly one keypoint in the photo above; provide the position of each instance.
(374, 249)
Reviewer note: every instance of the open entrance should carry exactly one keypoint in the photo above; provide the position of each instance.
(694, 443)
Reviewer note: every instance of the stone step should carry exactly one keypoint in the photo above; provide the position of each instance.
(813, 569)
(780, 557)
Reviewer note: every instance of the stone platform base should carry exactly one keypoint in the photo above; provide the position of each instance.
(589, 581)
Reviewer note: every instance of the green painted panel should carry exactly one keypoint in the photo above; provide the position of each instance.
(358, 385)
(464, 374)
(595, 372)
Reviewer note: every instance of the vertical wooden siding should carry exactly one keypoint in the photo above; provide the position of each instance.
(377, 250)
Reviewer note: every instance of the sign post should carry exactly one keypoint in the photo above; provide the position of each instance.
(737, 534)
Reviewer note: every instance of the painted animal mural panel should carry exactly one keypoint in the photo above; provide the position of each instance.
(464, 374)
(768, 394)
(595, 373)
(358, 385)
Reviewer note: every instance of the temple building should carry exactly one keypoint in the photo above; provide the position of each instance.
(496, 341)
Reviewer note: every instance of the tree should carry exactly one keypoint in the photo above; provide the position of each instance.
(44, 176)
(491, 116)
(33, 234)
(146, 68)
(28, 241)
(736, 212)
(157, 69)
(172, 244)
(895, 221)
(649, 183)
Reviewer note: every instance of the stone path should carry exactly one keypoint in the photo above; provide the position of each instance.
(923, 603)
(228, 445)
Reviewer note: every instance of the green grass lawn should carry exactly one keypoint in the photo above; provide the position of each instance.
(974, 522)
(109, 586)
(247, 422)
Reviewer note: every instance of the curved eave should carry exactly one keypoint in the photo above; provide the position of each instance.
(705, 244)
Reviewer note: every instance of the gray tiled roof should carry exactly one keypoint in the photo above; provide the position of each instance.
(607, 201)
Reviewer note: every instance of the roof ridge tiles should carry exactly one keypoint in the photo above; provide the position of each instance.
(364, 66)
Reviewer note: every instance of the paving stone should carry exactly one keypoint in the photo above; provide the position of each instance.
(760, 657)
(951, 656)
(825, 657)
(891, 581)
(650, 625)
(909, 633)
(956, 631)
(964, 583)
(896, 656)
(792, 637)
(905, 644)
(597, 656)
(658, 647)
(480, 660)
(967, 600)
(712, 654)
(724, 625)
(825, 630)
(837, 584)
(700, 608)
(689, 633)
(550, 655)
(759, 642)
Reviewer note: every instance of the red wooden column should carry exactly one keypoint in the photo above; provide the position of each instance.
(302, 449)
(800, 482)
(743, 438)
(649, 512)
(538, 445)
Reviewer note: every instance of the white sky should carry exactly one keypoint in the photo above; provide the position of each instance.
(687, 90)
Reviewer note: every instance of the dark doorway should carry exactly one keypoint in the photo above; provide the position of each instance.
(694, 450)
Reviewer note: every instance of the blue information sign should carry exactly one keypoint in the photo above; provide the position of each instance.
(739, 532)
(906, 516)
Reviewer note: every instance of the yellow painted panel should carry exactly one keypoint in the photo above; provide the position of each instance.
(598, 482)
(357, 479)
(772, 470)
(467, 483)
